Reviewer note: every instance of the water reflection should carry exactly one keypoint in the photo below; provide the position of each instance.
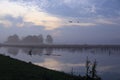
(32, 52)
(63, 59)
(13, 51)
(50, 51)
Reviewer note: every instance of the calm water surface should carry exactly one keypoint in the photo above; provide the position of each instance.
(108, 60)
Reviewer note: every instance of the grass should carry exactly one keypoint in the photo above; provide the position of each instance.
(13, 69)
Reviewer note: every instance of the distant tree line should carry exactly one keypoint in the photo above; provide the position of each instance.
(30, 39)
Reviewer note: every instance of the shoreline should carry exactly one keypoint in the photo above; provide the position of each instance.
(59, 46)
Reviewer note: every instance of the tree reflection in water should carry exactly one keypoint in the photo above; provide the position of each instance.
(49, 51)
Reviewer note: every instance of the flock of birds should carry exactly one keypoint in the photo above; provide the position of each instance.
(73, 22)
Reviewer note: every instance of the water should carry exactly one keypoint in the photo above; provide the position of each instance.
(67, 60)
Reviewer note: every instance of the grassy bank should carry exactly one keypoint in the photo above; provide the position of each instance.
(13, 69)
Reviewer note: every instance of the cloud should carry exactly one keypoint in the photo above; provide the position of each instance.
(56, 33)
(20, 24)
(6, 23)
(106, 21)
(43, 19)
(106, 68)
(29, 14)
(81, 24)
(62, 8)
(10, 8)
(73, 8)
(54, 14)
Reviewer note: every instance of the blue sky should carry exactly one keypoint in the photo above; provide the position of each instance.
(93, 21)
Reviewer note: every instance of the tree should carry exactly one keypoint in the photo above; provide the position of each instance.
(88, 64)
(31, 39)
(27, 39)
(93, 71)
(41, 39)
(49, 39)
(13, 39)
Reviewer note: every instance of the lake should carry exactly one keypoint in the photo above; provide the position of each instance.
(71, 60)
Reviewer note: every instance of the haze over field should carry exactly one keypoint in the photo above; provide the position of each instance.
(68, 21)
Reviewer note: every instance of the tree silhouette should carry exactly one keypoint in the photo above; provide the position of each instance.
(88, 64)
(93, 71)
(13, 39)
(30, 39)
(49, 39)
(41, 39)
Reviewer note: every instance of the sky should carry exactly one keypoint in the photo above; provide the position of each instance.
(68, 21)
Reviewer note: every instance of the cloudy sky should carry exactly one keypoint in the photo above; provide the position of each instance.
(68, 21)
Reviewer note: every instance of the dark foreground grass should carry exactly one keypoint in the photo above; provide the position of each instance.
(13, 69)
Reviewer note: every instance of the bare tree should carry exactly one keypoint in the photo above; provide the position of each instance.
(88, 64)
(93, 71)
